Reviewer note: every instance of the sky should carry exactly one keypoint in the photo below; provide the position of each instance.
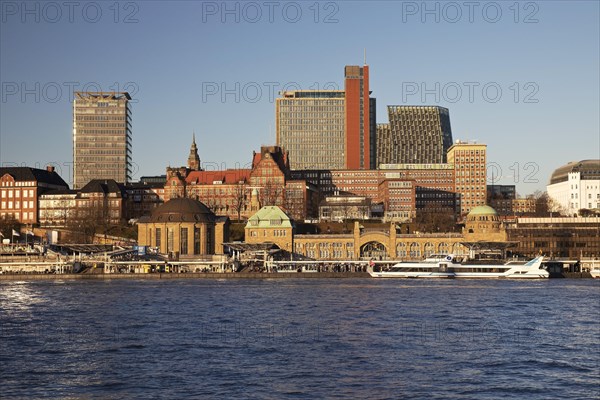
(521, 77)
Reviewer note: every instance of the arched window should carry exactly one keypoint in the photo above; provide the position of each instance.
(401, 250)
(374, 250)
(443, 248)
(459, 249)
(429, 249)
(415, 250)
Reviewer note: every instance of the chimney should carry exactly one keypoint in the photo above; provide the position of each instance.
(50, 168)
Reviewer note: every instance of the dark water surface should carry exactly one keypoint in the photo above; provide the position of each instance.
(337, 338)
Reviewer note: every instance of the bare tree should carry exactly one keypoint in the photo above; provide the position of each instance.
(435, 219)
(88, 219)
(211, 203)
(546, 206)
(271, 194)
(239, 198)
(345, 210)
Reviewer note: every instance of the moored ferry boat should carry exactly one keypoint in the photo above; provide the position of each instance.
(449, 267)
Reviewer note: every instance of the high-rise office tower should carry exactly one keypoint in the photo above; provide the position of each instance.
(310, 127)
(101, 137)
(328, 129)
(414, 135)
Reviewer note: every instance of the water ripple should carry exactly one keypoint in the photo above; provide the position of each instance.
(300, 339)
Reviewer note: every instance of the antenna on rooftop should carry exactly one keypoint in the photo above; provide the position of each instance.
(365, 55)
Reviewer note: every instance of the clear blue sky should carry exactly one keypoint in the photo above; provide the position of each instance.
(176, 57)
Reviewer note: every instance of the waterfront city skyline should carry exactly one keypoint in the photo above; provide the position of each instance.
(215, 69)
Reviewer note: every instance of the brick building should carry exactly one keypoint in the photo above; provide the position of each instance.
(402, 189)
(20, 188)
(239, 193)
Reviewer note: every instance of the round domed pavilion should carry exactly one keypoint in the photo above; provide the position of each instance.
(483, 224)
(183, 227)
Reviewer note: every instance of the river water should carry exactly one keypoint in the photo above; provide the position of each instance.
(300, 339)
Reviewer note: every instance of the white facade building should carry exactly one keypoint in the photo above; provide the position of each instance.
(576, 186)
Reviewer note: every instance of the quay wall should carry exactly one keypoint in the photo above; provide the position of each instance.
(171, 276)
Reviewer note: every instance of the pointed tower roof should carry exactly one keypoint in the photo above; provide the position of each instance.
(194, 158)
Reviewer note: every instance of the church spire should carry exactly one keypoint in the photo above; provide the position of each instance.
(193, 158)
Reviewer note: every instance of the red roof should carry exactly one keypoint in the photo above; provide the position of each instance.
(230, 176)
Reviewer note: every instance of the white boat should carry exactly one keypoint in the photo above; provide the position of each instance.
(591, 265)
(449, 267)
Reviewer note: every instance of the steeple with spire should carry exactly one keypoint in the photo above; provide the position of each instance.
(194, 159)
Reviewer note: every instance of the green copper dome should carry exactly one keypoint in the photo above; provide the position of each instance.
(482, 210)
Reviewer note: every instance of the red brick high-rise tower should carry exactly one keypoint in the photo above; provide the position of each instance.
(356, 87)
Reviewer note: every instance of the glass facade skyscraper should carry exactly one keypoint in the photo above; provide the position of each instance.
(414, 135)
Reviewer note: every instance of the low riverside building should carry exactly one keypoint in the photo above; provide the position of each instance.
(185, 228)
(484, 236)
(561, 237)
(271, 225)
(379, 244)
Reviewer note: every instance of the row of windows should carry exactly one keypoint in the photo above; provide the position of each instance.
(589, 196)
(96, 111)
(470, 166)
(471, 188)
(321, 246)
(400, 191)
(16, 193)
(156, 236)
(20, 183)
(467, 159)
(275, 232)
(27, 216)
(100, 118)
(96, 151)
(117, 134)
(467, 195)
(103, 159)
(17, 205)
(468, 152)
